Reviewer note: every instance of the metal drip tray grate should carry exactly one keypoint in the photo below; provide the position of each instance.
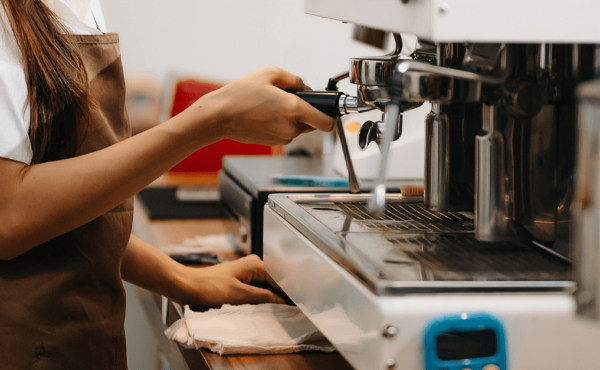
(411, 249)
(461, 257)
(408, 216)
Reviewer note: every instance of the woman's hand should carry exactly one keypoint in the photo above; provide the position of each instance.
(256, 108)
(229, 283)
(36, 204)
(149, 268)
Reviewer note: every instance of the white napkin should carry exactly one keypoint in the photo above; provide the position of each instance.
(248, 329)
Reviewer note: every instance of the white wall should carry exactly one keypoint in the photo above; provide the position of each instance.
(220, 40)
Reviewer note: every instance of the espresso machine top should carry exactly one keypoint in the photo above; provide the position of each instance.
(515, 21)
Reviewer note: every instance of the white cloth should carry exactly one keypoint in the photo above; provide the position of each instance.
(248, 329)
(79, 17)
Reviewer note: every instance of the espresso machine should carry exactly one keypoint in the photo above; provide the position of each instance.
(484, 271)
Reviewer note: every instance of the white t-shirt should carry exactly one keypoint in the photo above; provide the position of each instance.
(80, 18)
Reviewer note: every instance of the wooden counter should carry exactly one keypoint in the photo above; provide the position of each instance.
(163, 232)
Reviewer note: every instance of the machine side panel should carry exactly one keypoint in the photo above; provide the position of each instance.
(341, 307)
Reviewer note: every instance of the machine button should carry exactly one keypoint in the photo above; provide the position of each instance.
(390, 331)
(490, 367)
(390, 363)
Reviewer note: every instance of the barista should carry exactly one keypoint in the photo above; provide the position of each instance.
(68, 171)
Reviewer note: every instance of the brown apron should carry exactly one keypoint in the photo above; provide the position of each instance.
(62, 303)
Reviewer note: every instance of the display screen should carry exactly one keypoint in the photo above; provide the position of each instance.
(461, 345)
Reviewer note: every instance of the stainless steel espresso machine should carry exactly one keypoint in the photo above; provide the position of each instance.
(478, 272)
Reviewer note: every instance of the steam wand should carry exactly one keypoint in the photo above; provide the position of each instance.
(352, 179)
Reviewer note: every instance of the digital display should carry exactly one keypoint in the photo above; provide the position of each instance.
(461, 345)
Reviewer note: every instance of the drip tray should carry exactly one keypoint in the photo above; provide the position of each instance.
(407, 216)
(461, 257)
(411, 249)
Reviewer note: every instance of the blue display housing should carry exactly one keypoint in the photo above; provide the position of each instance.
(446, 330)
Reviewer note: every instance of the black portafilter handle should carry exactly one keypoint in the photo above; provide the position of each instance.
(325, 101)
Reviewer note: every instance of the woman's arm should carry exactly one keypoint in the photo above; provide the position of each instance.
(42, 201)
(149, 268)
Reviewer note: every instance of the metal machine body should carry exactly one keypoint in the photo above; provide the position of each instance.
(500, 163)
(374, 299)
(501, 132)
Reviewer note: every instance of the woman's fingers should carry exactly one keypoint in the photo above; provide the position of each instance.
(272, 283)
(256, 108)
(305, 113)
(252, 294)
(286, 80)
(231, 283)
(310, 116)
(249, 270)
(259, 274)
(306, 128)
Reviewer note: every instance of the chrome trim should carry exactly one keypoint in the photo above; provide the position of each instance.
(350, 104)
(412, 66)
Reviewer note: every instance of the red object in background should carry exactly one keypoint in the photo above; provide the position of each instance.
(209, 159)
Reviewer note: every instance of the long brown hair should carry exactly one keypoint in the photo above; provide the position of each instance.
(57, 86)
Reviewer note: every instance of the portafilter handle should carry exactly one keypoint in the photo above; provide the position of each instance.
(333, 103)
(325, 101)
